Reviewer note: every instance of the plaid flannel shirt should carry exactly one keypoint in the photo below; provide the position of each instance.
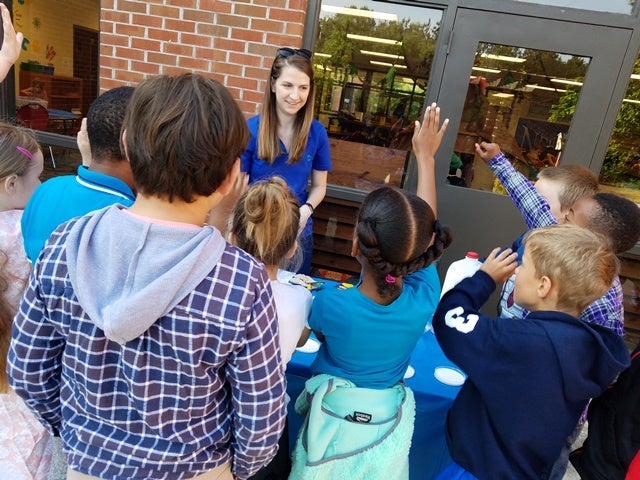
(608, 310)
(204, 385)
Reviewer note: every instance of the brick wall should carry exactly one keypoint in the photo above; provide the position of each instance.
(233, 42)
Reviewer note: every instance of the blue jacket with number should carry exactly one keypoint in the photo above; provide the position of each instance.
(528, 381)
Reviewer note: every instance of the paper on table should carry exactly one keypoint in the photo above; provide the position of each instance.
(311, 346)
(449, 376)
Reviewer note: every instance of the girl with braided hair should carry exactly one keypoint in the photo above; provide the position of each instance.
(365, 424)
(368, 332)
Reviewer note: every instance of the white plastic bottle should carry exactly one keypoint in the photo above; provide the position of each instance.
(460, 269)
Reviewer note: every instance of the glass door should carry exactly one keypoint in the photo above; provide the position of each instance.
(538, 87)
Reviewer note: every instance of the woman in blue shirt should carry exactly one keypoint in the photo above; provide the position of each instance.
(288, 142)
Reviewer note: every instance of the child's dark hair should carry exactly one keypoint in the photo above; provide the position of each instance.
(394, 233)
(618, 219)
(183, 135)
(104, 124)
(265, 221)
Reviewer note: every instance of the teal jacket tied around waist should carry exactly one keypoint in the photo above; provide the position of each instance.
(351, 432)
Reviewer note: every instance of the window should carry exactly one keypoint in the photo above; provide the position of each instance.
(56, 76)
(614, 6)
(522, 99)
(620, 172)
(372, 67)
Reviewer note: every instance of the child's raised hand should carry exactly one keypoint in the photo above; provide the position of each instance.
(487, 151)
(11, 43)
(427, 137)
(82, 138)
(500, 264)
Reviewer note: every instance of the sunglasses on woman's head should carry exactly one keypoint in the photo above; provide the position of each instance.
(287, 52)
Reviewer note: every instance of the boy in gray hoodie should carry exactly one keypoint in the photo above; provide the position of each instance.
(147, 342)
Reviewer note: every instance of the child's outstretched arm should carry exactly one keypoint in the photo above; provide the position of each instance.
(500, 264)
(534, 208)
(11, 44)
(425, 141)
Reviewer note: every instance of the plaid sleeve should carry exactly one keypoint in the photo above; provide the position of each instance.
(607, 311)
(35, 357)
(534, 209)
(258, 388)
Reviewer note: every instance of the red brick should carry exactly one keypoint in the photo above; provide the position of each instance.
(259, 73)
(162, 35)
(129, 6)
(249, 10)
(244, 59)
(246, 35)
(183, 3)
(242, 83)
(146, 44)
(145, 67)
(167, 70)
(161, 58)
(226, 69)
(147, 20)
(198, 16)
(130, 30)
(294, 29)
(107, 4)
(232, 20)
(286, 15)
(298, 5)
(178, 49)
(115, 16)
(115, 62)
(179, 25)
(106, 27)
(196, 40)
(106, 50)
(216, 6)
(278, 40)
(211, 54)
(115, 40)
(212, 30)
(164, 11)
(195, 64)
(266, 25)
(229, 44)
(127, 76)
(129, 53)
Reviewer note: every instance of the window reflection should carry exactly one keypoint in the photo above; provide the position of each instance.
(372, 68)
(57, 72)
(614, 6)
(522, 99)
(620, 172)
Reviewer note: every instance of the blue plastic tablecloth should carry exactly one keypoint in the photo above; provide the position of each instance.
(429, 453)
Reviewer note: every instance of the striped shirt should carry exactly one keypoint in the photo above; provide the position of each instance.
(203, 386)
(608, 310)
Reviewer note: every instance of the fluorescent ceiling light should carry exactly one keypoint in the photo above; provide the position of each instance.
(386, 41)
(567, 82)
(385, 64)
(635, 76)
(538, 87)
(322, 67)
(488, 70)
(360, 13)
(323, 55)
(380, 54)
(502, 95)
(503, 58)
(628, 100)
(407, 80)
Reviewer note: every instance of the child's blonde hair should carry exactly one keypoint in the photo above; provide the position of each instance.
(17, 147)
(265, 221)
(577, 260)
(576, 182)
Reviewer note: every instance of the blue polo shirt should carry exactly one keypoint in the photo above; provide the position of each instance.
(316, 156)
(62, 198)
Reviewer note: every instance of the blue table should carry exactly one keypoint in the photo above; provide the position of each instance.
(429, 453)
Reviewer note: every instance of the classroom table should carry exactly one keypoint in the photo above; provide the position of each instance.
(429, 453)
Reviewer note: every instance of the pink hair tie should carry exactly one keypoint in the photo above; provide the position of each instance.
(390, 279)
(25, 152)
